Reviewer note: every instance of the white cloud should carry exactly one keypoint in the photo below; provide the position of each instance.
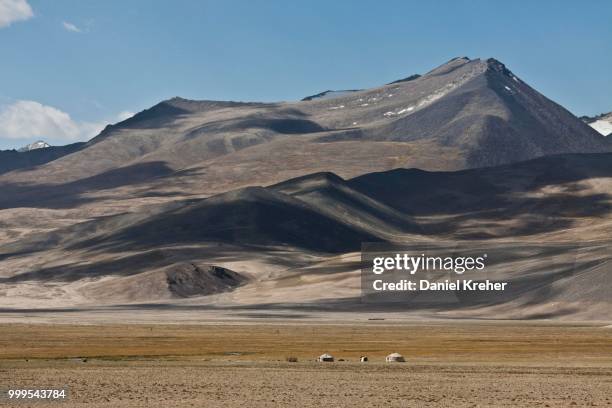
(71, 27)
(124, 115)
(14, 10)
(30, 119)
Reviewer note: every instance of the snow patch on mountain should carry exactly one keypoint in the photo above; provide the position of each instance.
(602, 126)
(601, 123)
(40, 144)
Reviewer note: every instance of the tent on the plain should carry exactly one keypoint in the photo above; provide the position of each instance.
(395, 358)
(326, 358)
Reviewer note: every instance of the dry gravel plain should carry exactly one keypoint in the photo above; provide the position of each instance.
(243, 365)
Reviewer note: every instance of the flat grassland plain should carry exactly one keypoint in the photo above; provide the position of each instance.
(450, 364)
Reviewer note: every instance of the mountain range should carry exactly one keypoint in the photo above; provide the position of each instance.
(259, 205)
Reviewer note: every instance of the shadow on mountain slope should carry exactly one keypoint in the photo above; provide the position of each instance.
(254, 215)
(324, 213)
(68, 195)
(504, 188)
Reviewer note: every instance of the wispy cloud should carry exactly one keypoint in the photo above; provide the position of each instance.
(71, 27)
(31, 119)
(14, 10)
(124, 115)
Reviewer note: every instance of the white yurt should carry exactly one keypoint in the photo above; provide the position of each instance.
(326, 358)
(363, 359)
(395, 358)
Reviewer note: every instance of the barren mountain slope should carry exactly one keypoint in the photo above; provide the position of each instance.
(296, 241)
(258, 205)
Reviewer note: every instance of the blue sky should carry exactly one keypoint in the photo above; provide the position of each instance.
(80, 64)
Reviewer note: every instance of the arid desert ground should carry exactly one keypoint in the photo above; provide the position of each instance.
(449, 364)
